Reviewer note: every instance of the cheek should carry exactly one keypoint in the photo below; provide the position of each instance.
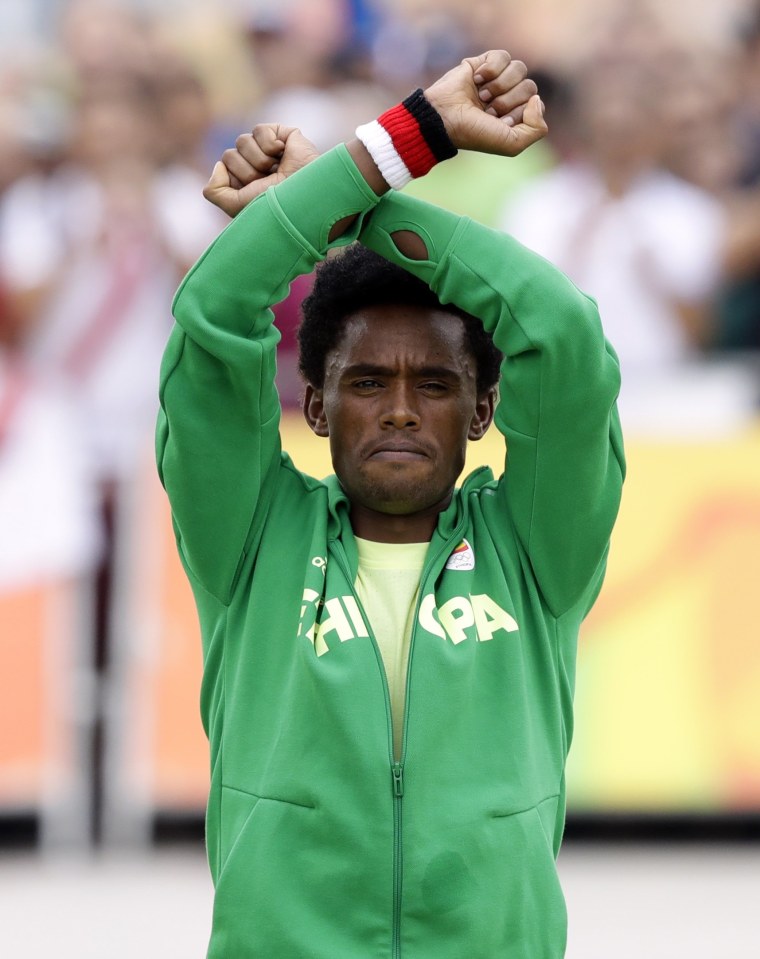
(465, 414)
(341, 422)
(344, 433)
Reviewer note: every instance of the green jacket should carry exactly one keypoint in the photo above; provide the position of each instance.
(320, 846)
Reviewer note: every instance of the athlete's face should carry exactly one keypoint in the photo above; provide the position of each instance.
(399, 404)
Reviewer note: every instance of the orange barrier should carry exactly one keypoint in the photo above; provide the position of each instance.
(40, 760)
(181, 750)
(158, 753)
(668, 690)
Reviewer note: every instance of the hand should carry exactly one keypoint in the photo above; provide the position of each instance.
(488, 104)
(260, 159)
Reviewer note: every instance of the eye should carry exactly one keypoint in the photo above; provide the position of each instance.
(434, 386)
(365, 385)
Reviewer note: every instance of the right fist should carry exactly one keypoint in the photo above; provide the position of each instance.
(260, 159)
(489, 104)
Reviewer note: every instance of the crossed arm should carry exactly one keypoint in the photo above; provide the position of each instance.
(487, 104)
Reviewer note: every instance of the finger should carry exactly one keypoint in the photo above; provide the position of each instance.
(514, 99)
(509, 78)
(270, 138)
(489, 65)
(506, 138)
(252, 153)
(518, 115)
(237, 167)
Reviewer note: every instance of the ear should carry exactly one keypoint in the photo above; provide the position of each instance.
(314, 410)
(484, 410)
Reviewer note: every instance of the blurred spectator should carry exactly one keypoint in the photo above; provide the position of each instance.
(12, 157)
(708, 133)
(711, 137)
(312, 74)
(738, 305)
(98, 247)
(49, 524)
(103, 39)
(84, 242)
(185, 220)
(748, 101)
(643, 242)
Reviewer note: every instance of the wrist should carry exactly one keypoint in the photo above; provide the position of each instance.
(406, 141)
(367, 166)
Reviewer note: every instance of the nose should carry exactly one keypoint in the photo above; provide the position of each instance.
(401, 412)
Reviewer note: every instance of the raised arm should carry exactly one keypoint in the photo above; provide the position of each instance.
(218, 444)
(560, 378)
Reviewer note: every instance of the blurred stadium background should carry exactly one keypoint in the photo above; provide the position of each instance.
(647, 192)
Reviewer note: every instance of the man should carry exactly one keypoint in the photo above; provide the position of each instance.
(388, 660)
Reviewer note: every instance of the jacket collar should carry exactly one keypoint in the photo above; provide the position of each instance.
(450, 522)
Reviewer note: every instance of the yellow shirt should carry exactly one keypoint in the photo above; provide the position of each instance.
(387, 585)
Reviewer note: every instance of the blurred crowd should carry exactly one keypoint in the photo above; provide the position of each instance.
(647, 193)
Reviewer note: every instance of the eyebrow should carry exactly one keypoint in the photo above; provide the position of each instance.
(372, 369)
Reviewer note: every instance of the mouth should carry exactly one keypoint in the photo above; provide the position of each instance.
(398, 452)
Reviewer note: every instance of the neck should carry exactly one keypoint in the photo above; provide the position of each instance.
(397, 528)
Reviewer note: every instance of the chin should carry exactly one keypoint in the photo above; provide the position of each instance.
(399, 491)
(398, 502)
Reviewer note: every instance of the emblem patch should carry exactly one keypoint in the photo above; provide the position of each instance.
(462, 558)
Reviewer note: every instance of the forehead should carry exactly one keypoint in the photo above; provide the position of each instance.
(389, 335)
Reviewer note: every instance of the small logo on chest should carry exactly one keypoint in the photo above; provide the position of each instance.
(462, 558)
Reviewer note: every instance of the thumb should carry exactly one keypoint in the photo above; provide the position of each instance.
(219, 190)
(533, 125)
(501, 135)
(219, 180)
(533, 115)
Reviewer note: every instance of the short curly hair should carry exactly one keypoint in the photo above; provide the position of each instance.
(358, 278)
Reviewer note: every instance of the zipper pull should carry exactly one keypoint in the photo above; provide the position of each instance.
(398, 779)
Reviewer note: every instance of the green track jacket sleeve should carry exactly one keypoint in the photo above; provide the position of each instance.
(560, 380)
(218, 446)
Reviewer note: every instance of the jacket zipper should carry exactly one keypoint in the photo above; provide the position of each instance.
(398, 793)
(397, 767)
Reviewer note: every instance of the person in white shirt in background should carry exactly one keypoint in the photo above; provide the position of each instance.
(49, 523)
(644, 243)
(99, 256)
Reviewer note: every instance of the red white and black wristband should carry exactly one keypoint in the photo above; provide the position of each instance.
(407, 141)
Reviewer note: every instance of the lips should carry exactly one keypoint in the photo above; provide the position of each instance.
(398, 451)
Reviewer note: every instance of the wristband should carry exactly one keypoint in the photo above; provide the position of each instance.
(407, 141)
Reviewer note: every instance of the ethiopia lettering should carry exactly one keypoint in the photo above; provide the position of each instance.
(477, 617)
